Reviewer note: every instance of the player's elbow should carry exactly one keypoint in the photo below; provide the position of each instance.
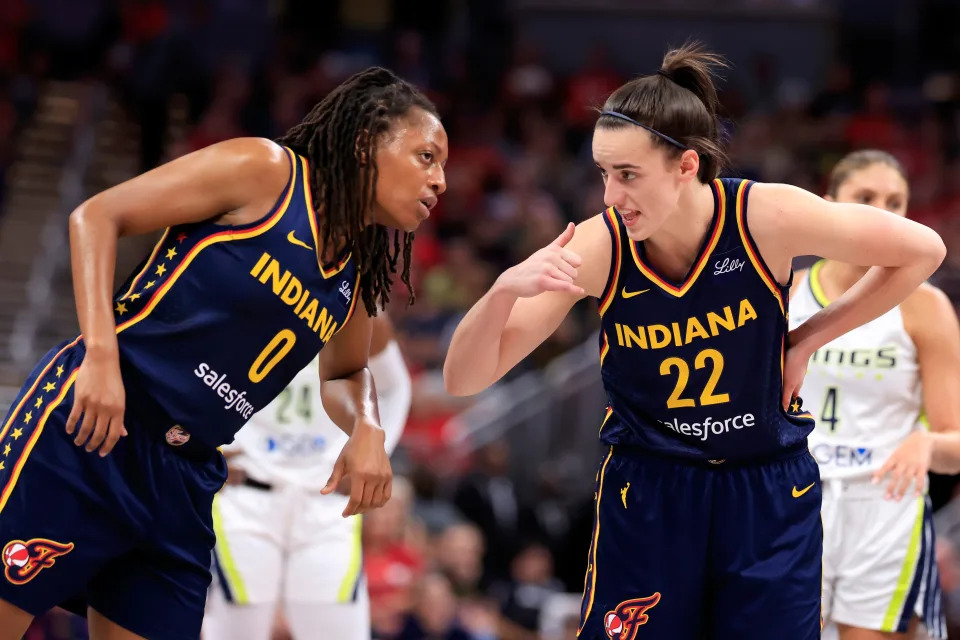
(458, 383)
(938, 249)
(931, 249)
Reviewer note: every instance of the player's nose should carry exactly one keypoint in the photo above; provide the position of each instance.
(614, 195)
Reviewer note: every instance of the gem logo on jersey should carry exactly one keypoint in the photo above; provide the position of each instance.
(24, 560)
(625, 621)
(842, 455)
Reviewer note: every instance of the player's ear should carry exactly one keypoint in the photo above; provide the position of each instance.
(829, 198)
(360, 147)
(689, 165)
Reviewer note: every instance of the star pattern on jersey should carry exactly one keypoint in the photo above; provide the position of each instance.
(795, 406)
(152, 276)
(44, 394)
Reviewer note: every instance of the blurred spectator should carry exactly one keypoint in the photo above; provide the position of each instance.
(531, 584)
(488, 498)
(394, 558)
(459, 557)
(435, 615)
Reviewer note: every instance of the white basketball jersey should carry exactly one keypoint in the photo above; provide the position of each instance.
(863, 388)
(292, 441)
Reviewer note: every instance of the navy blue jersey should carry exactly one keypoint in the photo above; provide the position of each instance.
(219, 319)
(694, 369)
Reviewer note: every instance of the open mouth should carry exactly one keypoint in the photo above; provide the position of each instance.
(629, 217)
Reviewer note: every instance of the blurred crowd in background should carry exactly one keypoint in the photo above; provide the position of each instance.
(457, 554)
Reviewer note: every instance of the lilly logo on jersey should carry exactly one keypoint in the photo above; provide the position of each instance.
(728, 265)
(842, 455)
(345, 290)
(291, 291)
(24, 560)
(625, 620)
(657, 336)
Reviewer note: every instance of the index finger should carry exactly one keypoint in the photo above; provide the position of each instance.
(571, 257)
(115, 431)
(356, 497)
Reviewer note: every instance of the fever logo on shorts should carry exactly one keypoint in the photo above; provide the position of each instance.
(625, 621)
(24, 560)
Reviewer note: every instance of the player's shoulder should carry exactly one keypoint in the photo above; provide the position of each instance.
(254, 153)
(593, 230)
(927, 299)
(928, 306)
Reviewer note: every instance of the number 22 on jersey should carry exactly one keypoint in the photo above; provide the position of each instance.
(708, 395)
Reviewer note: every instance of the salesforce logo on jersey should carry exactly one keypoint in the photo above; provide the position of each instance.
(292, 445)
(842, 455)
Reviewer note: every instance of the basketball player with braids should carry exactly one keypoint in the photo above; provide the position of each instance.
(884, 396)
(271, 252)
(707, 498)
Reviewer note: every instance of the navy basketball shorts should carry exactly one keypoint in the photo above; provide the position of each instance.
(129, 534)
(682, 551)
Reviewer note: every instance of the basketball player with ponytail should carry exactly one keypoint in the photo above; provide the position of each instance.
(885, 400)
(707, 498)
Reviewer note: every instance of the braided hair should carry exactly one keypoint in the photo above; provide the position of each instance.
(339, 137)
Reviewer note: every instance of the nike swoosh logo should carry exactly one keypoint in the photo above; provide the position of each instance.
(293, 240)
(630, 294)
(799, 492)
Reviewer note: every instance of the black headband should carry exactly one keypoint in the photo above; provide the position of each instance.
(663, 136)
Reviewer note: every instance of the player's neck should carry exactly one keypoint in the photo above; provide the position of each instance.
(674, 246)
(837, 277)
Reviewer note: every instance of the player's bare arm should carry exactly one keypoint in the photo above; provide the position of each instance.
(787, 222)
(349, 398)
(235, 181)
(525, 305)
(929, 318)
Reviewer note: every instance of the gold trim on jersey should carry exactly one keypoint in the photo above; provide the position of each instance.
(353, 300)
(591, 574)
(701, 260)
(752, 252)
(606, 417)
(328, 271)
(37, 430)
(147, 264)
(617, 262)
